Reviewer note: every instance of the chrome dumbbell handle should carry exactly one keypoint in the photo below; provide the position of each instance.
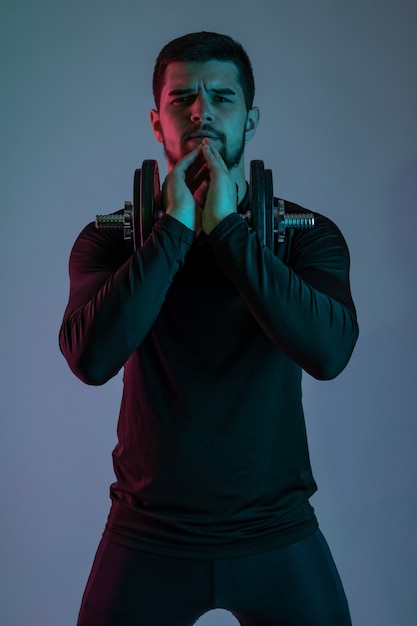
(283, 220)
(122, 220)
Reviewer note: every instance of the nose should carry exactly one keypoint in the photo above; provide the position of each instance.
(201, 110)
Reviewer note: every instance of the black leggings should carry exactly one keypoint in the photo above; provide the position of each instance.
(297, 585)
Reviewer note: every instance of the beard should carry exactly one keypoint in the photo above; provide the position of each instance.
(231, 157)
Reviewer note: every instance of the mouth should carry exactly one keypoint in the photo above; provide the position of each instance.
(198, 137)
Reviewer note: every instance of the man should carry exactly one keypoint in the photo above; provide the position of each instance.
(210, 508)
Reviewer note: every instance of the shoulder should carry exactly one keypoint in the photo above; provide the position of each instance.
(323, 239)
(101, 246)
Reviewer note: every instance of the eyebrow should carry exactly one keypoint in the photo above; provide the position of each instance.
(223, 91)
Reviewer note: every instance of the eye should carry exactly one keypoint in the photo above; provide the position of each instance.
(186, 99)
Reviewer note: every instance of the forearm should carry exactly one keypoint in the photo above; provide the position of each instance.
(111, 311)
(304, 306)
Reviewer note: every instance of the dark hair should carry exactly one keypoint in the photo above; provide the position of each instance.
(202, 47)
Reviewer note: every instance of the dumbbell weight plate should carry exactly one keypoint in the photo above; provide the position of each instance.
(135, 219)
(257, 199)
(269, 210)
(262, 202)
(146, 201)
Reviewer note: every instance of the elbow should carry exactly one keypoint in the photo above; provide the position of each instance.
(333, 361)
(90, 372)
(326, 371)
(89, 368)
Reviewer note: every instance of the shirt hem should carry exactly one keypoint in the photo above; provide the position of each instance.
(239, 549)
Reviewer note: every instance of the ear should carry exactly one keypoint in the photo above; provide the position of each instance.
(156, 125)
(251, 123)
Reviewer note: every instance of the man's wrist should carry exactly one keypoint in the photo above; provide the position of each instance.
(209, 223)
(184, 217)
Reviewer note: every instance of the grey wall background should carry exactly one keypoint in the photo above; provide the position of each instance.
(337, 91)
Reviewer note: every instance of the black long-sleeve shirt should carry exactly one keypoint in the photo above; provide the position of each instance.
(213, 333)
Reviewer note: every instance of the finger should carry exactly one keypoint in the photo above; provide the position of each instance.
(195, 179)
(200, 194)
(189, 159)
(195, 167)
(213, 156)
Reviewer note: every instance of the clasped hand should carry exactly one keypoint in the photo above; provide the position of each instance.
(199, 191)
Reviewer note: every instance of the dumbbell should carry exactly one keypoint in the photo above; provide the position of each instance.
(266, 215)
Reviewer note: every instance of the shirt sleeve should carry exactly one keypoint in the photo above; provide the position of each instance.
(115, 297)
(299, 295)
